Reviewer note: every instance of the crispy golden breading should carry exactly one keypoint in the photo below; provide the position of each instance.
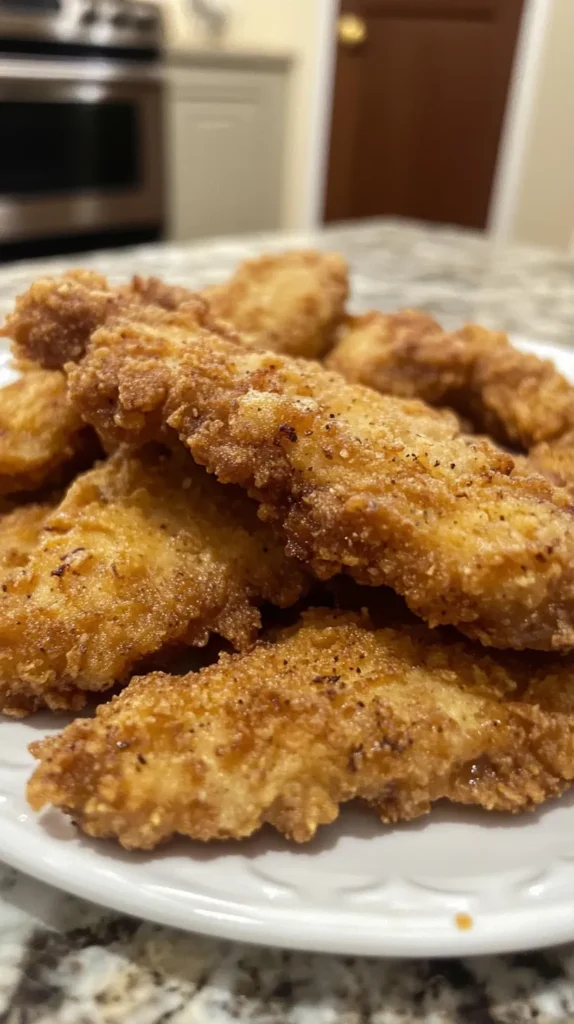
(143, 551)
(153, 291)
(555, 460)
(288, 731)
(366, 347)
(52, 321)
(291, 302)
(20, 530)
(514, 396)
(42, 437)
(374, 485)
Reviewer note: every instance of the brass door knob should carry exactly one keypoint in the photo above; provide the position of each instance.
(351, 30)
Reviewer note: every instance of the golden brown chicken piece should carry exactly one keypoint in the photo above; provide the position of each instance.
(144, 551)
(290, 730)
(52, 321)
(369, 346)
(291, 302)
(42, 437)
(153, 291)
(375, 485)
(20, 530)
(514, 396)
(555, 460)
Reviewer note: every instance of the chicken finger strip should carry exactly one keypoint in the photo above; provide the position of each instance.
(20, 529)
(555, 461)
(291, 302)
(514, 396)
(144, 551)
(380, 487)
(52, 321)
(290, 730)
(42, 437)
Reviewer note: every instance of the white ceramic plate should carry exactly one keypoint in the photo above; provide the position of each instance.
(358, 888)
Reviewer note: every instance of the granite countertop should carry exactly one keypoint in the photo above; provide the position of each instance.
(456, 275)
(63, 961)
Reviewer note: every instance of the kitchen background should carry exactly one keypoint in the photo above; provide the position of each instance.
(123, 120)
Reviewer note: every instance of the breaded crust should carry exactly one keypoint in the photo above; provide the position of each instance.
(555, 460)
(514, 396)
(285, 733)
(52, 322)
(290, 302)
(153, 291)
(144, 551)
(380, 487)
(20, 529)
(43, 439)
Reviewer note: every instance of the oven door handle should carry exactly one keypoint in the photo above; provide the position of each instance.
(39, 73)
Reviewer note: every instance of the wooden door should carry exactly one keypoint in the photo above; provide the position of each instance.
(418, 108)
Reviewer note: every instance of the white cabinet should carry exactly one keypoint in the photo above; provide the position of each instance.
(225, 146)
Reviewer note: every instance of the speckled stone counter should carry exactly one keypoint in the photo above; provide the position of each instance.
(66, 962)
(457, 276)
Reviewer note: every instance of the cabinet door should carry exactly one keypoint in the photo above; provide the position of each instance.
(225, 148)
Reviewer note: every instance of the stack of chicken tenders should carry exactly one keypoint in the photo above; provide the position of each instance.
(362, 525)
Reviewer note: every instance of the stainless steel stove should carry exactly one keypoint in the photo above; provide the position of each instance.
(80, 124)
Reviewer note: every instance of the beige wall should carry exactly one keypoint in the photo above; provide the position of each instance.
(287, 26)
(544, 212)
(542, 203)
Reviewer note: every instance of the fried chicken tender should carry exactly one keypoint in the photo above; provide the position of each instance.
(514, 396)
(369, 346)
(361, 482)
(52, 321)
(152, 291)
(290, 730)
(555, 461)
(291, 302)
(20, 530)
(42, 436)
(144, 551)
